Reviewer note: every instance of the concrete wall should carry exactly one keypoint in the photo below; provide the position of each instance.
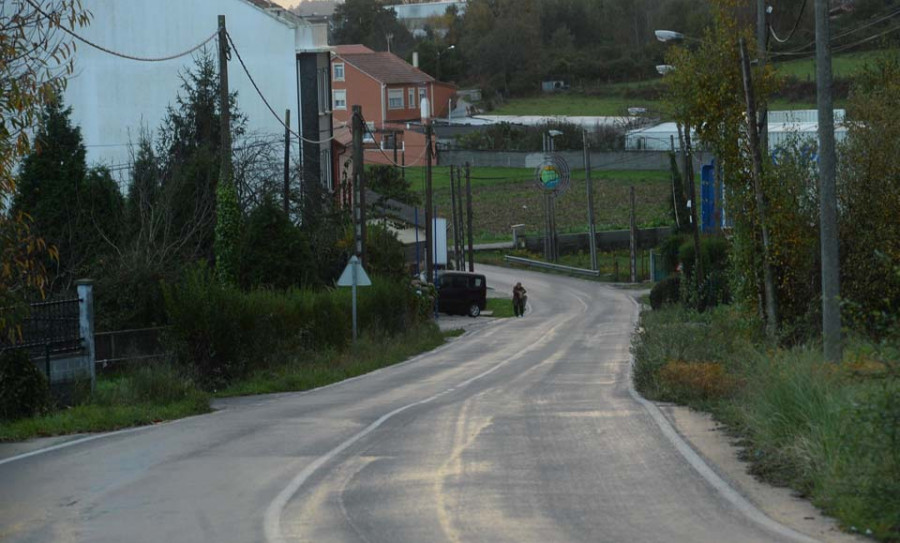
(621, 160)
(113, 98)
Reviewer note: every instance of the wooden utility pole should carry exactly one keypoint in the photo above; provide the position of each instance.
(692, 189)
(633, 238)
(756, 155)
(225, 167)
(454, 217)
(828, 228)
(592, 227)
(469, 217)
(762, 41)
(357, 121)
(287, 161)
(461, 216)
(429, 217)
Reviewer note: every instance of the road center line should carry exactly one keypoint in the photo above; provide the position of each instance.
(272, 519)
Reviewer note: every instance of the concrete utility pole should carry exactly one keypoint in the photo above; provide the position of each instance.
(828, 228)
(358, 165)
(592, 227)
(224, 106)
(287, 161)
(756, 155)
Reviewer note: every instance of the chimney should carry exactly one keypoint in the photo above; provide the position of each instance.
(415, 59)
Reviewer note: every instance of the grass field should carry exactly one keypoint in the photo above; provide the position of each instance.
(502, 197)
(842, 66)
(613, 100)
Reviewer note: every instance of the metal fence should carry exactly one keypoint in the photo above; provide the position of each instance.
(126, 346)
(50, 328)
(549, 266)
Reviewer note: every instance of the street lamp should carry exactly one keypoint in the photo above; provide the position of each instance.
(668, 35)
(439, 53)
(663, 69)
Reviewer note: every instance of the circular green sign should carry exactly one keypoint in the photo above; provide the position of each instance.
(552, 174)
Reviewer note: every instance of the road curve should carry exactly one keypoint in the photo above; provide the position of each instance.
(525, 430)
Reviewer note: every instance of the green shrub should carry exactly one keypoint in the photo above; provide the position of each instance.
(667, 291)
(221, 333)
(159, 384)
(24, 390)
(275, 252)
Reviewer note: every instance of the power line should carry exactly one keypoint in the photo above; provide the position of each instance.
(266, 101)
(116, 53)
(837, 49)
(796, 25)
(801, 51)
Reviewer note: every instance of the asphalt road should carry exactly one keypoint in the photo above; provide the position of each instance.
(522, 431)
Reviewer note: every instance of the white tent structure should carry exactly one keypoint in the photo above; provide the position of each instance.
(784, 126)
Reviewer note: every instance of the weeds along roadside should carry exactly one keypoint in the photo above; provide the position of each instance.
(230, 342)
(832, 432)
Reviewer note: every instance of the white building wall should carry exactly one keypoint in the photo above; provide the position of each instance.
(113, 98)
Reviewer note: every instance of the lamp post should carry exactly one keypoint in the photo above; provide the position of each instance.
(666, 36)
(439, 53)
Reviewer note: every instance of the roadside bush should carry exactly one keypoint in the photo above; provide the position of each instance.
(221, 333)
(275, 252)
(159, 384)
(24, 390)
(691, 382)
(667, 291)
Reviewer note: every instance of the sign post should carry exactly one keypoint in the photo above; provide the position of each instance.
(354, 276)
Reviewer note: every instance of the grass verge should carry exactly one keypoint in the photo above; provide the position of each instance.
(830, 431)
(501, 307)
(313, 370)
(155, 394)
(144, 396)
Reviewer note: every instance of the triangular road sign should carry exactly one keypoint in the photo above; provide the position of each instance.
(347, 277)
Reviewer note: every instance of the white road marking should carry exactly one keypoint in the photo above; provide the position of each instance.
(272, 519)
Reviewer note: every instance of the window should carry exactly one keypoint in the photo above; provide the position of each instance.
(395, 98)
(340, 99)
(338, 71)
(411, 97)
(324, 86)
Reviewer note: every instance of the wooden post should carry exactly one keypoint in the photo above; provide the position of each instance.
(469, 217)
(756, 155)
(287, 161)
(633, 239)
(357, 121)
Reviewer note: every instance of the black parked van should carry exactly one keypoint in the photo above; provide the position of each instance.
(461, 292)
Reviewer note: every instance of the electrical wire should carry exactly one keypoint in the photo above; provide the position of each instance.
(796, 25)
(840, 48)
(116, 53)
(801, 51)
(266, 101)
(389, 159)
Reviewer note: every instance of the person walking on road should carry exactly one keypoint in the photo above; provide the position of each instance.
(519, 299)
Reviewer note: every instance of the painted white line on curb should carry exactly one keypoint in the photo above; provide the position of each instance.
(700, 466)
(73, 443)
